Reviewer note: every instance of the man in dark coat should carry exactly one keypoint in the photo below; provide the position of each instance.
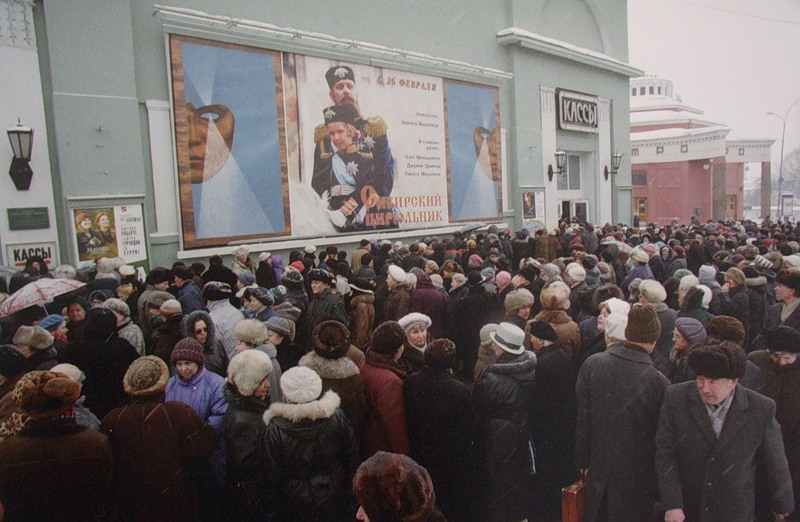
(398, 301)
(619, 394)
(429, 301)
(189, 294)
(712, 437)
(502, 399)
(787, 292)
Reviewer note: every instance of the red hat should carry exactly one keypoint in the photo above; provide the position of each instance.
(298, 265)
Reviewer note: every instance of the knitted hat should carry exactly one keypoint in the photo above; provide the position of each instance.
(762, 262)
(707, 273)
(53, 321)
(726, 328)
(717, 359)
(188, 349)
(789, 278)
(616, 324)
(690, 329)
(440, 354)
(487, 329)
(12, 362)
(240, 250)
(71, 371)
(436, 280)
(170, 307)
(397, 273)
(42, 395)
(146, 375)
(300, 385)
(390, 486)
(681, 273)
(643, 325)
(550, 270)
(247, 278)
(250, 331)
(735, 275)
(779, 338)
(331, 339)
(616, 306)
(516, 299)
(118, 305)
(297, 265)
(278, 294)
(217, 291)
(509, 337)
(262, 295)
(34, 337)
(279, 325)
(387, 338)
(542, 330)
(576, 272)
(318, 274)
(487, 273)
(502, 278)
(408, 321)
(652, 291)
(247, 369)
(292, 279)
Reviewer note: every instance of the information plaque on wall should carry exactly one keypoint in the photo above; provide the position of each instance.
(32, 218)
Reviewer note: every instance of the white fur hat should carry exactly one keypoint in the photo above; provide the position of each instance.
(240, 250)
(687, 282)
(653, 291)
(309, 249)
(576, 272)
(300, 385)
(126, 270)
(250, 331)
(263, 256)
(71, 371)
(409, 320)
(247, 369)
(615, 326)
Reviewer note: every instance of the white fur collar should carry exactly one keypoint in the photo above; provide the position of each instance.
(340, 368)
(322, 408)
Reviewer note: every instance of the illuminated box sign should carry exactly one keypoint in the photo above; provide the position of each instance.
(576, 111)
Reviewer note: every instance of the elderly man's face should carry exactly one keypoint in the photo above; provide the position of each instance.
(714, 391)
(344, 92)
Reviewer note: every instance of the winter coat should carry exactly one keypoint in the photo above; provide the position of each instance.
(323, 306)
(398, 302)
(774, 317)
(55, 469)
(640, 271)
(310, 460)
(714, 478)
(619, 394)
(104, 364)
(666, 317)
(568, 333)
(343, 377)
(242, 429)
(132, 333)
(736, 304)
(429, 301)
(757, 299)
(239, 267)
(213, 350)
(502, 400)
(362, 320)
(441, 427)
(191, 298)
(385, 428)
(266, 276)
(476, 309)
(692, 306)
(783, 386)
(274, 393)
(168, 334)
(42, 360)
(225, 317)
(412, 359)
(156, 447)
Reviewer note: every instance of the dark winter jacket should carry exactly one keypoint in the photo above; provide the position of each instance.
(476, 309)
(429, 301)
(42, 360)
(191, 298)
(398, 303)
(736, 304)
(325, 305)
(757, 299)
(214, 351)
(168, 334)
(385, 428)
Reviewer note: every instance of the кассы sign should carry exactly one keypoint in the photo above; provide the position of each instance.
(576, 111)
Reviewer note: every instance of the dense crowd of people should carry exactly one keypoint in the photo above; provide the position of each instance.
(461, 378)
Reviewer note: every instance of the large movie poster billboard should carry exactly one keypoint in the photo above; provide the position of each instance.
(276, 144)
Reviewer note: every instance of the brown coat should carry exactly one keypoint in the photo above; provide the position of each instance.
(398, 303)
(155, 445)
(386, 407)
(554, 306)
(362, 320)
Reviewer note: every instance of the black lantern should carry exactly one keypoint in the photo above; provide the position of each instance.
(21, 139)
(616, 161)
(561, 160)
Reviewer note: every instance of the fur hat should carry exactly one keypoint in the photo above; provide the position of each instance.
(550, 271)
(414, 318)
(318, 274)
(264, 256)
(362, 285)
(34, 337)
(779, 338)
(71, 371)
(279, 325)
(247, 369)
(170, 307)
(397, 273)
(309, 249)
(516, 299)
(157, 298)
(292, 279)
(735, 275)
(118, 305)
(726, 328)
(262, 295)
(529, 272)
(126, 270)
(387, 338)
(217, 291)
(690, 329)
(643, 324)
(509, 337)
(616, 305)
(278, 294)
(576, 272)
(555, 296)
(12, 362)
(188, 349)
(542, 330)
(640, 256)
(441, 354)
(331, 339)
(146, 375)
(250, 331)
(53, 321)
(159, 275)
(789, 278)
(65, 272)
(390, 486)
(652, 291)
(300, 385)
(487, 329)
(717, 359)
(616, 324)
(240, 250)
(42, 395)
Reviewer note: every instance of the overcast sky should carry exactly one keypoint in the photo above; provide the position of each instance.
(734, 59)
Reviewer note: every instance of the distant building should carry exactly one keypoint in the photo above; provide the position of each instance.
(683, 165)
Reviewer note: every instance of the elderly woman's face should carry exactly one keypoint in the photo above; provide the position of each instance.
(680, 341)
(665, 252)
(417, 335)
(262, 389)
(601, 319)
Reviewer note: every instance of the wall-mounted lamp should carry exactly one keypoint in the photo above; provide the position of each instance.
(616, 160)
(21, 139)
(561, 160)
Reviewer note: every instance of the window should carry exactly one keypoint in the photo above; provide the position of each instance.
(659, 150)
(659, 90)
(651, 90)
(633, 91)
(730, 206)
(684, 148)
(640, 207)
(639, 178)
(741, 151)
(634, 152)
(571, 178)
(641, 91)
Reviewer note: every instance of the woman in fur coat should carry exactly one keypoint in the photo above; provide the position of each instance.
(555, 303)
(308, 452)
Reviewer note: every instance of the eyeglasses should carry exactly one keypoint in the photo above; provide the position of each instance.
(198, 331)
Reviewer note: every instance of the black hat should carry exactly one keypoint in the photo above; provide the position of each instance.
(474, 278)
(441, 354)
(717, 359)
(12, 362)
(542, 330)
(158, 275)
(217, 291)
(345, 114)
(183, 272)
(318, 274)
(361, 285)
(338, 73)
(789, 278)
(387, 338)
(331, 339)
(779, 338)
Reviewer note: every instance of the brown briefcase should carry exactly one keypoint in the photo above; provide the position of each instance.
(573, 501)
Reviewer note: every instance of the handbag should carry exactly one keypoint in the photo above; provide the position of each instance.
(573, 500)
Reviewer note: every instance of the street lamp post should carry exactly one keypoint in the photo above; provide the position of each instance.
(783, 142)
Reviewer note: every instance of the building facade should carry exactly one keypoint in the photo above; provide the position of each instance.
(181, 130)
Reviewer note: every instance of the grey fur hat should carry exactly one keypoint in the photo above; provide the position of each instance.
(247, 369)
